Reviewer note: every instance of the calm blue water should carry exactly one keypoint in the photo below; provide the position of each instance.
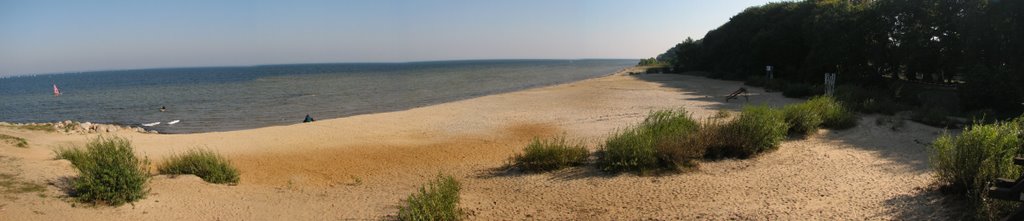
(232, 98)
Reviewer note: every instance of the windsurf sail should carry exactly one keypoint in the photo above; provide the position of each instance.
(56, 91)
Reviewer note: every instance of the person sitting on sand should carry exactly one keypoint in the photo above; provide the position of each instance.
(308, 119)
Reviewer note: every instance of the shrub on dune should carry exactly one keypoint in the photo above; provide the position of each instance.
(757, 129)
(203, 163)
(108, 170)
(970, 161)
(834, 114)
(438, 200)
(637, 148)
(802, 119)
(552, 154)
(631, 149)
(686, 149)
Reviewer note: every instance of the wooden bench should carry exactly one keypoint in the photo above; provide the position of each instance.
(1010, 190)
(737, 93)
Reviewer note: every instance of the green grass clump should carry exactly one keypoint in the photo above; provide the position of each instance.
(636, 148)
(438, 200)
(797, 90)
(71, 154)
(16, 141)
(204, 163)
(970, 161)
(9, 183)
(552, 154)
(934, 116)
(108, 170)
(805, 118)
(873, 100)
(757, 129)
(802, 119)
(834, 114)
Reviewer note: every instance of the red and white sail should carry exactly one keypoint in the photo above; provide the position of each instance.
(56, 91)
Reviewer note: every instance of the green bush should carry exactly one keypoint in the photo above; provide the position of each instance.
(775, 85)
(833, 113)
(438, 200)
(108, 171)
(553, 154)
(685, 149)
(932, 116)
(797, 90)
(757, 129)
(755, 80)
(868, 101)
(635, 149)
(71, 154)
(629, 150)
(979, 155)
(203, 163)
(802, 119)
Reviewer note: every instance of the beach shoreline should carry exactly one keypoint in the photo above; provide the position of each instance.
(361, 167)
(99, 127)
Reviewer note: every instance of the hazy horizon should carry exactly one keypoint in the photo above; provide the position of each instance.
(43, 37)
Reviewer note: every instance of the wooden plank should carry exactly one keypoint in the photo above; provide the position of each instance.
(1005, 183)
(1004, 194)
(1018, 160)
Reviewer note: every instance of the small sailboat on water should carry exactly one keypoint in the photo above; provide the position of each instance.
(56, 91)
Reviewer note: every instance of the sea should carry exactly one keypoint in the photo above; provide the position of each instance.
(208, 99)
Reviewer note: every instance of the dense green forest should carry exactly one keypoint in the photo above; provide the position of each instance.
(974, 48)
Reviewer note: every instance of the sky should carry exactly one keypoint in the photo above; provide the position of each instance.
(45, 36)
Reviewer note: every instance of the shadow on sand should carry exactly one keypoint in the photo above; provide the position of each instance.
(905, 150)
(714, 92)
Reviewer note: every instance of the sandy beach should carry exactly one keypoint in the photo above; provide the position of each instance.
(361, 167)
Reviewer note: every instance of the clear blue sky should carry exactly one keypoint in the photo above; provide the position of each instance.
(44, 36)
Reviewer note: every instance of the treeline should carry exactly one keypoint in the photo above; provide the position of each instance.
(976, 46)
(649, 62)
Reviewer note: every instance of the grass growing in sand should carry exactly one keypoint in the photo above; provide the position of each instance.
(10, 184)
(108, 170)
(673, 140)
(204, 163)
(757, 129)
(16, 141)
(834, 114)
(805, 118)
(969, 162)
(551, 154)
(438, 200)
(637, 148)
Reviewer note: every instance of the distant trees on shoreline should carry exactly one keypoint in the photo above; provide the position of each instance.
(872, 43)
(650, 62)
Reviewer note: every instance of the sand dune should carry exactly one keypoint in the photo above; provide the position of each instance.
(361, 167)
